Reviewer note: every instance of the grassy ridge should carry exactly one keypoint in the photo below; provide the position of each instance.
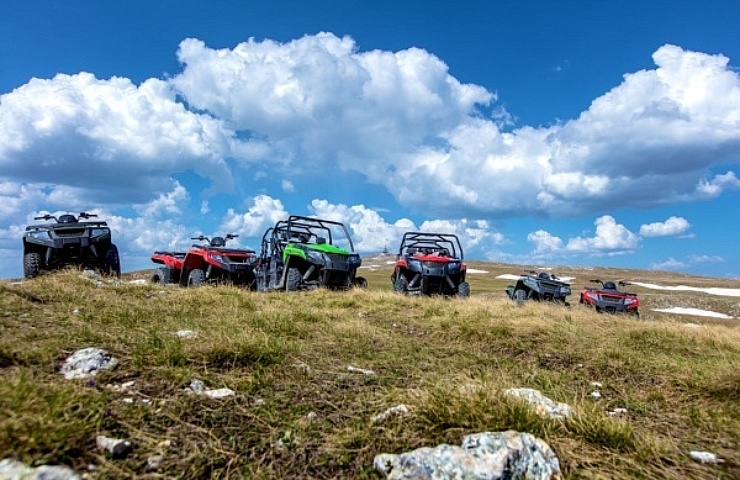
(286, 355)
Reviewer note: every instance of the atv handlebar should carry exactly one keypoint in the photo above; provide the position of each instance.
(56, 219)
(229, 236)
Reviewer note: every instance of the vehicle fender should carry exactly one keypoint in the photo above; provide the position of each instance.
(192, 261)
(291, 250)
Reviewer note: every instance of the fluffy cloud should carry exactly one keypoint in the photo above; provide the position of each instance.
(671, 227)
(611, 238)
(107, 140)
(264, 212)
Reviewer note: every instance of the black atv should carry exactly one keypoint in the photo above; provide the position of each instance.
(430, 263)
(69, 241)
(302, 253)
(538, 286)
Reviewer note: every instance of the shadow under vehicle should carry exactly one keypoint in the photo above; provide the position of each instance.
(539, 286)
(211, 261)
(69, 240)
(608, 298)
(430, 263)
(302, 253)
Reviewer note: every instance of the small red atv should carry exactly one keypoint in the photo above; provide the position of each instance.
(608, 299)
(210, 261)
(430, 263)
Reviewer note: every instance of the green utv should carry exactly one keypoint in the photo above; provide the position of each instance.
(303, 253)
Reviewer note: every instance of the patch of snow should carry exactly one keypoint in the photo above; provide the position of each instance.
(508, 276)
(390, 262)
(473, 270)
(140, 281)
(692, 311)
(725, 292)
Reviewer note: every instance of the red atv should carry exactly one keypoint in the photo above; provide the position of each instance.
(211, 261)
(608, 299)
(430, 263)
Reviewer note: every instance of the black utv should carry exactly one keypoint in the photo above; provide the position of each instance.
(302, 253)
(430, 263)
(538, 286)
(69, 241)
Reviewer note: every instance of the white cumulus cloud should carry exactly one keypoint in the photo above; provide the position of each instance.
(671, 227)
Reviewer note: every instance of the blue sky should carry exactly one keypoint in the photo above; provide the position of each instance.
(577, 133)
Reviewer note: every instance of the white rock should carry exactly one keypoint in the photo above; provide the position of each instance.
(617, 411)
(115, 446)
(360, 370)
(186, 334)
(86, 363)
(596, 394)
(541, 404)
(219, 393)
(11, 469)
(596, 384)
(705, 457)
(393, 411)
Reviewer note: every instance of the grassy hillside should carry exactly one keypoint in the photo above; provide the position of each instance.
(299, 412)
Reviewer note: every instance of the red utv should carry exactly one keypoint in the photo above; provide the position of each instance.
(210, 261)
(430, 263)
(608, 299)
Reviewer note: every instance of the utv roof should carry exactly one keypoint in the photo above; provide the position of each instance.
(429, 242)
(301, 229)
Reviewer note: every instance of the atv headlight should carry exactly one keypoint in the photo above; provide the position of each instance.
(590, 295)
(315, 257)
(99, 232)
(565, 290)
(218, 258)
(39, 234)
(354, 260)
(629, 301)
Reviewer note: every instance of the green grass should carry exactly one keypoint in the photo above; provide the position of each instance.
(286, 355)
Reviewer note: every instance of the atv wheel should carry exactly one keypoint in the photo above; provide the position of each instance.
(520, 296)
(360, 282)
(401, 285)
(294, 280)
(31, 265)
(157, 276)
(112, 262)
(196, 277)
(463, 290)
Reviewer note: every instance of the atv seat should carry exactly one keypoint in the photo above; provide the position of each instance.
(609, 286)
(544, 275)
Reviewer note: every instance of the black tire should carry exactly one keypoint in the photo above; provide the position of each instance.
(294, 279)
(31, 265)
(360, 282)
(401, 285)
(158, 276)
(196, 277)
(463, 290)
(520, 296)
(112, 261)
(636, 313)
